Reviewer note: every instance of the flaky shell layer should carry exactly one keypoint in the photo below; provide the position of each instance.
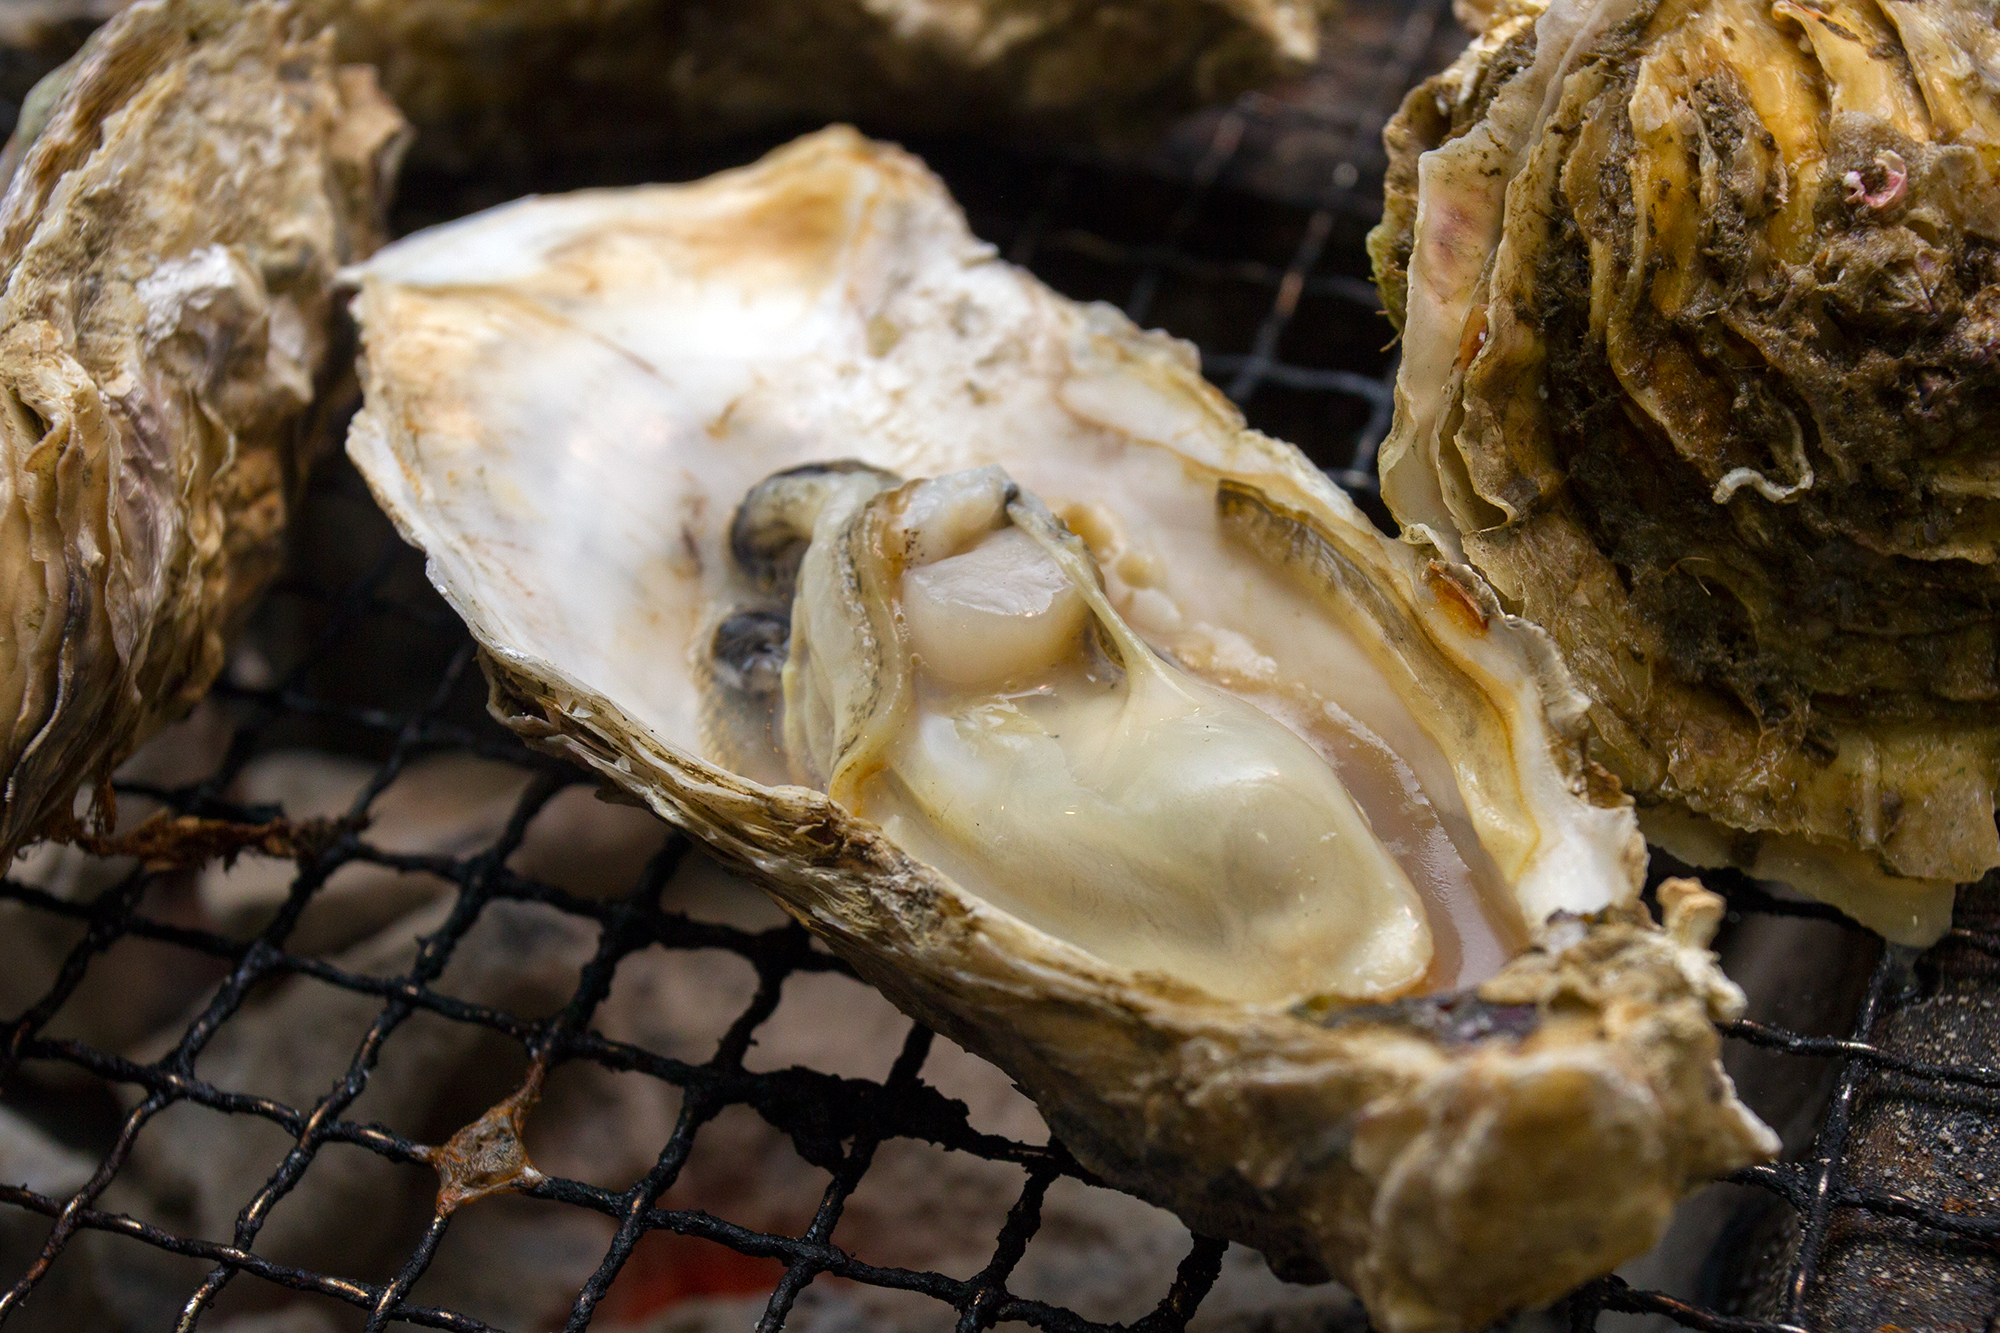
(169, 239)
(512, 82)
(568, 398)
(1699, 303)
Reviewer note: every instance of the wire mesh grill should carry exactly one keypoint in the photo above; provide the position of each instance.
(1267, 276)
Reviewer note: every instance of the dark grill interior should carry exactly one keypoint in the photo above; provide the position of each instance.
(1243, 232)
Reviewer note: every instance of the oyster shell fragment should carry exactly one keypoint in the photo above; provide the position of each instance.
(783, 504)
(168, 239)
(1698, 304)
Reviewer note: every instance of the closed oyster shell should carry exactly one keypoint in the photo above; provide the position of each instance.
(1698, 304)
(512, 81)
(169, 239)
(568, 401)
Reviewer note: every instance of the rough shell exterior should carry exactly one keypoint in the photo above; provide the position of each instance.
(1451, 1157)
(513, 81)
(168, 241)
(1699, 302)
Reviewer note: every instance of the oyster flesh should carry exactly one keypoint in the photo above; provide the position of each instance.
(180, 199)
(1099, 732)
(1699, 302)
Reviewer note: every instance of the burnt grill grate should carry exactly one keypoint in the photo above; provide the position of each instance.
(1272, 284)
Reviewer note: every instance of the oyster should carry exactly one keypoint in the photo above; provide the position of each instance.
(180, 199)
(507, 80)
(1699, 303)
(1099, 732)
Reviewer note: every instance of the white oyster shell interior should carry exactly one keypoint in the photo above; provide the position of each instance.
(569, 399)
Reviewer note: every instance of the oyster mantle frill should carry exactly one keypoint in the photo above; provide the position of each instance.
(781, 484)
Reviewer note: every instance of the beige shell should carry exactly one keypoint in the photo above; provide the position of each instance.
(568, 86)
(1699, 304)
(508, 82)
(567, 399)
(168, 241)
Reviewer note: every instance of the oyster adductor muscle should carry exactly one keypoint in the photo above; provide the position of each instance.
(1699, 305)
(1102, 734)
(178, 207)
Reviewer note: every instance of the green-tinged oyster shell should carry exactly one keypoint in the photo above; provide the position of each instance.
(1700, 303)
(652, 441)
(168, 244)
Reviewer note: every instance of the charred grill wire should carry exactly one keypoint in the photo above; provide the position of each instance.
(1217, 241)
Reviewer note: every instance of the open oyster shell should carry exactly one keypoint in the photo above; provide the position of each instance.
(179, 202)
(655, 440)
(1698, 304)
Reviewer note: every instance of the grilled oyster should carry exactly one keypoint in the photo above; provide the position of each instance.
(1699, 304)
(168, 239)
(1099, 732)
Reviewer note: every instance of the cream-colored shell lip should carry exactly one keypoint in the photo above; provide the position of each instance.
(1451, 1157)
(178, 204)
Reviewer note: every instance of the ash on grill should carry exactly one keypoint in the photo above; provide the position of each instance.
(232, 1090)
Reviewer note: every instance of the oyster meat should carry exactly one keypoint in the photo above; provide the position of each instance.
(1699, 303)
(1099, 732)
(180, 199)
